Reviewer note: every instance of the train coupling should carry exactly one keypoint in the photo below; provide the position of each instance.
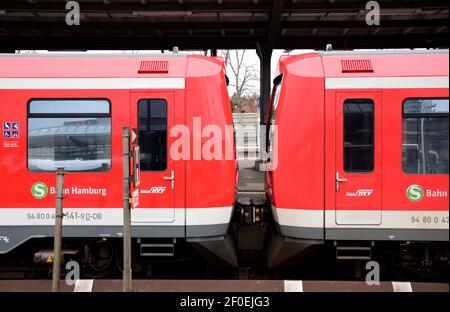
(251, 211)
(47, 256)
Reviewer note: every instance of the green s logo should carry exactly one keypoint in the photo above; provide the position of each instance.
(39, 190)
(414, 193)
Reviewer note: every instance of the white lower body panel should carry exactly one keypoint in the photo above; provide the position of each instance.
(114, 216)
(391, 219)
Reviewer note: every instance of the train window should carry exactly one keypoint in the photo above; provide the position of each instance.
(62, 134)
(425, 136)
(358, 136)
(69, 107)
(152, 125)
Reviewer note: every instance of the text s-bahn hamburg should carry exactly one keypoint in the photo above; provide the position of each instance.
(69, 111)
(359, 144)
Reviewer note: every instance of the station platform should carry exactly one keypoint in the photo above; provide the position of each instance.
(221, 286)
(250, 179)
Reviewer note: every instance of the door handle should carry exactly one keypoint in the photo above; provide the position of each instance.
(172, 179)
(339, 180)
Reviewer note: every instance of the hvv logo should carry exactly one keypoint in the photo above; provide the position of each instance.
(360, 193)
(155, 190)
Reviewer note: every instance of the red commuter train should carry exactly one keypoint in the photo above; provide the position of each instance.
(359, 143)
(69, 110)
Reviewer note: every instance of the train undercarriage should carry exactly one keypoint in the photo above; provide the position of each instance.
(251, 230)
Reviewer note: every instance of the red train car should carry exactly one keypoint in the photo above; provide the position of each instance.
(360, 140)
(68, 110)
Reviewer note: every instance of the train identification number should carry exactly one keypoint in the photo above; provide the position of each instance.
(73, 215)
(430, 220)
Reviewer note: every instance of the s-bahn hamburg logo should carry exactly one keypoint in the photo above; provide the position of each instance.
(414, 193)
(39, 190)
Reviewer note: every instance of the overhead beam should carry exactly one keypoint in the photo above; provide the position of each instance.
(307, 25)
(88, 7)
(399, 41)
(438, 40)
(312, 6)
(228, 6)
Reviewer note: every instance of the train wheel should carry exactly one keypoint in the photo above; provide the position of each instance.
(98, 261)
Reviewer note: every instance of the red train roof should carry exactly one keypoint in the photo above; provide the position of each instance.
(65, 65)
(368, 64)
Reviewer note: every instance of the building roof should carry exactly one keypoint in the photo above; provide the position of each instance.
(217, 24)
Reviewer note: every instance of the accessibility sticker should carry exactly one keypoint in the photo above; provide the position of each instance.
(11, 131)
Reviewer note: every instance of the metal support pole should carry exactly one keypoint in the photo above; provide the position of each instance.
(265, 83)
(265, 57)
(58, 229)
(127, 272)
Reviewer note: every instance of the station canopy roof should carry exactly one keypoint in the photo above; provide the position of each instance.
(222, 24)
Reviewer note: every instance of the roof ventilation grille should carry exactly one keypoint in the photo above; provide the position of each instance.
(154, 67)
(357, 66)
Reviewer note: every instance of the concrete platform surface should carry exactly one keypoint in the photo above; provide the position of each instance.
(221, 286)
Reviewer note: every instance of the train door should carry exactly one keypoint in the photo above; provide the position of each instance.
(358, 158)
(153, 114)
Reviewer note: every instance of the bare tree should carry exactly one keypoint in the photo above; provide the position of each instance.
(244, 75)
